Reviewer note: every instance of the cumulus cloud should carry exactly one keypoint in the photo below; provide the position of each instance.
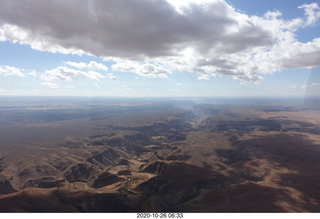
(92, 65)
(208, 37)
(11, 71)
(204, 77)
(143, 69)
(18, 72)
(77, 64)
(32, 73)
(67, 74)
(111, 76)
(50, 85)
(312, 11)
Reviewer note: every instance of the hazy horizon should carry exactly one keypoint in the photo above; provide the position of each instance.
(159, 106)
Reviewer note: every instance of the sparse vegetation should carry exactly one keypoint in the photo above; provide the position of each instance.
(211, 158)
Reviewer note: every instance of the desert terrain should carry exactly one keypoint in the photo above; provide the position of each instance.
(158, 155)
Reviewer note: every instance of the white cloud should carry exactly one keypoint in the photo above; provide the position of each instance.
(204, 77)
(312, 85)
(32, 73)
(143, 69)
(179, 84)
(18, 72)
(315, 85)
(67, 74)
(4, 91)
(294, 87)
(312, 11)
(77, 64)
(11, 71)
(91, 65)
(153, 38)
(111, 76)
(97, 66)
(96, 85)
(304, 86)
(50, 85)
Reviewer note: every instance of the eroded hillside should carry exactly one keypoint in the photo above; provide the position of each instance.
(156, 156)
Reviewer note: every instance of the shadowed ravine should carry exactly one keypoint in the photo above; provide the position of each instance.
(207, 158)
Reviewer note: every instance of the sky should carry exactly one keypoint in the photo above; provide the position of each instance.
(160, 48)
